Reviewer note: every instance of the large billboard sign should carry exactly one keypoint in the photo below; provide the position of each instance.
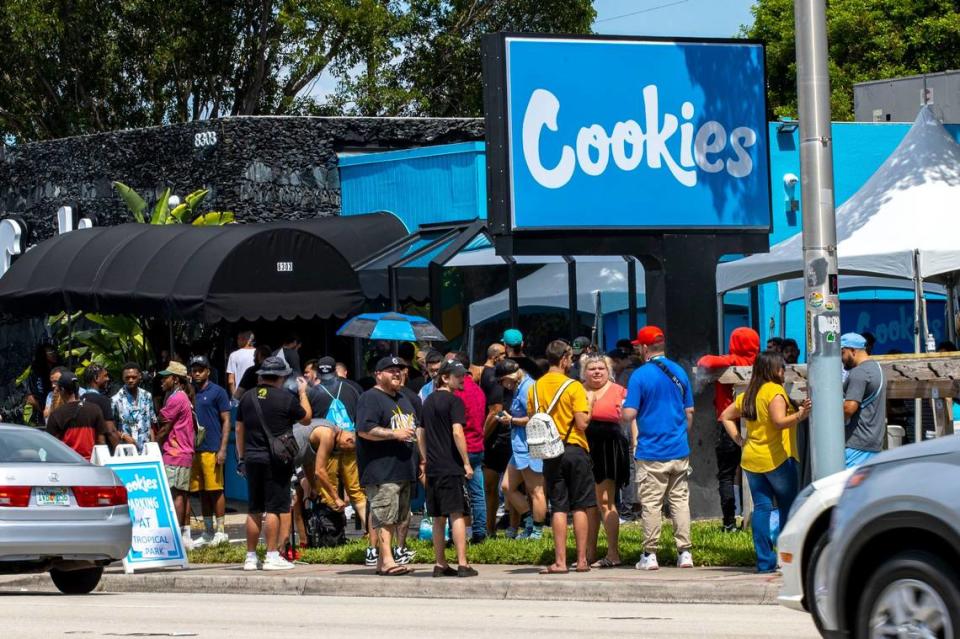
(631, 134)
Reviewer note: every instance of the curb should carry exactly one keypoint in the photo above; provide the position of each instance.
(336, 585)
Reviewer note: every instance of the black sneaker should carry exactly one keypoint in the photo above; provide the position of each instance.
(445, 572)
(403, 555)
(466, 571)
(372, 557)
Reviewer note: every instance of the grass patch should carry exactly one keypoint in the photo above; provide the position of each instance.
(711, 547)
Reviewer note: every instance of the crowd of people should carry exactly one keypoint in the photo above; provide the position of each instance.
(433, 423)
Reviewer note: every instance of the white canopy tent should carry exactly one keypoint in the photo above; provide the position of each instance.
(902, 223)
(548, 288)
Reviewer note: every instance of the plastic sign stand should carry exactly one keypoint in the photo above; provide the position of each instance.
(156, 541)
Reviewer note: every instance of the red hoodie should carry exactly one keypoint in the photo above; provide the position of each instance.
(744, 346)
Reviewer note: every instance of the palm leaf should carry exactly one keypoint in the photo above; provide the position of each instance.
(176, 215)
(161, 209)
(214, 218)
(194, 199)
(132, 199)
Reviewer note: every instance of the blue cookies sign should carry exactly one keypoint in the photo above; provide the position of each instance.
(629, 134)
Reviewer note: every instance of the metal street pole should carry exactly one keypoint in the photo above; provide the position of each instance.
(822, 302)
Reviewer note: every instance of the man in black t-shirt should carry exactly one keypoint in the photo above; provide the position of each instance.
(268, 479)
(446, 466)
(386, 425)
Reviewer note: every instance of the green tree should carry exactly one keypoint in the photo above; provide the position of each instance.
(424, 58)
(73, 67)
(868, 40)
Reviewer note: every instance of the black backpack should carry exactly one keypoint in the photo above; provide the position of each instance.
(325, 526)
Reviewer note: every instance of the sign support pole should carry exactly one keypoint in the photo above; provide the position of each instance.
(819, 239)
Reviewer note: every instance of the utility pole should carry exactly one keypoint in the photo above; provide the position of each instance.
(821, 286)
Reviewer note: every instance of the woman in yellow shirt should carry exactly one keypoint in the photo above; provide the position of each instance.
(769, 451)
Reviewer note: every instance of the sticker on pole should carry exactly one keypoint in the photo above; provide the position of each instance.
(155, 540)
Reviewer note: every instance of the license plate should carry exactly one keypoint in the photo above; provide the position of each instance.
(52, 497)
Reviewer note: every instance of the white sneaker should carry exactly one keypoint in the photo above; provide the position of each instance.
(252, 563)
(205, 540)
(220, 538)
(188, 542)
(277, 563)
(648, 562)
(685, 560)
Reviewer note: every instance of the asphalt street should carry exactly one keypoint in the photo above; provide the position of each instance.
(50, 616)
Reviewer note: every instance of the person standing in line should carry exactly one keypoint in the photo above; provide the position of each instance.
(176, 436)
(475, 403)
(744, 346)
(445, 464)
(497, 448)
(769, 450)
(213, 412)
(386, 426)
(240, 360)
(268, 407)
(522, 469)
(76, 422)
(432, 361)
(250, 378)
(39, 383)
(54, 400)
(659, 397)
(290, 353)
(133, 409)
(864, 401)
(513, 340)
(96, 385)
(569, 477)
(609, 450)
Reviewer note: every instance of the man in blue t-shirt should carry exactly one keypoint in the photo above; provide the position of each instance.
(659, 397)
(213, 412)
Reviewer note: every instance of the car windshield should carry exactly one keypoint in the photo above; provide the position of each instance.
(26, 445)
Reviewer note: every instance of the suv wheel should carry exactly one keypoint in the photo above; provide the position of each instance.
(76, 582)
(914, 594)
(815, 574)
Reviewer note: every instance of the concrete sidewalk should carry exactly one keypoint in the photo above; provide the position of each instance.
(623, 584)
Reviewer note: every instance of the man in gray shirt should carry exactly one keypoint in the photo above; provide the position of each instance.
(864, 401)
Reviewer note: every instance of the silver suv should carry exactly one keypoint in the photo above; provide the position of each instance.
(894, 547)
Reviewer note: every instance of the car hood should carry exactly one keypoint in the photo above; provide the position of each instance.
(940, 446)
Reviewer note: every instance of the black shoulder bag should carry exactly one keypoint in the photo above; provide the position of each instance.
(673, 378)
(284, 448)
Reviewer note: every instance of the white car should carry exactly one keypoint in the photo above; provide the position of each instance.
(803, 539)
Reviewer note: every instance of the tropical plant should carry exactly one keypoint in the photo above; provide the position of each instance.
(163, 214)
(107, 340)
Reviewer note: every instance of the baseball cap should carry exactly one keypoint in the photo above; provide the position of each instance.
(274, 367)
(580, 344)
(68, 381)
(326, 365)
(390, 361)
(512, 337)
(853, 340)
(452, 367)
(199, 361)
(648, 335)
(174, 368)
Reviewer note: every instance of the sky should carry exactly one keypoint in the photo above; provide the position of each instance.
(691, 18)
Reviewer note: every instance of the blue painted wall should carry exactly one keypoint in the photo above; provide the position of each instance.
(444, 183)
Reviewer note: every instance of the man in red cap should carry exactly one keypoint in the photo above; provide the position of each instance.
(659, 397)
(744, 346)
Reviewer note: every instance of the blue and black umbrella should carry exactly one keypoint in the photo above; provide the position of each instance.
(392, 326)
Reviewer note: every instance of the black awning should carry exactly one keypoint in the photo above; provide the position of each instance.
(300, 269)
